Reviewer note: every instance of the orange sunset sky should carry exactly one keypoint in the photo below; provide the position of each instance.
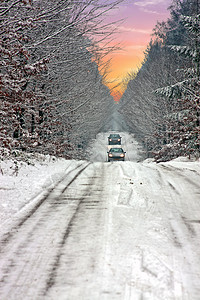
(134, 34)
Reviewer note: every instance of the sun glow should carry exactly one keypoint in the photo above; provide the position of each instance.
(134, 34)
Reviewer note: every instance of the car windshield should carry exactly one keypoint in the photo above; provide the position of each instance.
(114, 135)
(116, 150)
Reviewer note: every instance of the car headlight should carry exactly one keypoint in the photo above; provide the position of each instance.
(110, 155)
(122, 155)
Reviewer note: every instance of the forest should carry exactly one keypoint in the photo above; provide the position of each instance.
(161, 101)
(52, 93)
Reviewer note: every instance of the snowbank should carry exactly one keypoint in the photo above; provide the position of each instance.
(20, 182)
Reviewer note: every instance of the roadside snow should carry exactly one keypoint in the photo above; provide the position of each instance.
(21, 182)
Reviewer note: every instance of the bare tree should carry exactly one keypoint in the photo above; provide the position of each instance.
(51, 90)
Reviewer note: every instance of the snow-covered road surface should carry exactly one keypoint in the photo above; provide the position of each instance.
(108, 231)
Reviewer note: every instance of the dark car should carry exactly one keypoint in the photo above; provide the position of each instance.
(116, 154)
(114, 139)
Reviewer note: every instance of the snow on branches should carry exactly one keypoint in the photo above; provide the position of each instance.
(162, 103)
(52, 96)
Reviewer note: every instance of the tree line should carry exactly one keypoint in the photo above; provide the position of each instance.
(53, 97)
(161, 102)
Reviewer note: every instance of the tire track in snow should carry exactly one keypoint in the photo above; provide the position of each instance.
(9, 261)
(180, 173)
(189, 226)
(53, 272)
(7, 236)
(157, 190)
(180, 183)
(52, 276)
(169, 192)
(86, 202)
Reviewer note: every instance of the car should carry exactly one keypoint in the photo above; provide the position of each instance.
(116, 154)
(114, 139)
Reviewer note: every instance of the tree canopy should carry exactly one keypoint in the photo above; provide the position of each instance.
(53, 98)
(161, 103)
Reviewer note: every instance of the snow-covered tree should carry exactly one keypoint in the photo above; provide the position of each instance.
(51, 90)
(161, 103)
(185, 132)
(18, 101)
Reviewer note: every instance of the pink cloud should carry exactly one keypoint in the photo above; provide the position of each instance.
(137, 30)
(147, 2)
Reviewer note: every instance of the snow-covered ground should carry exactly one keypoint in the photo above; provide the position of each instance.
(20, 182)
(98, 230)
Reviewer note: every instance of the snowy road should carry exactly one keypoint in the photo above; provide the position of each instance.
(108, 231)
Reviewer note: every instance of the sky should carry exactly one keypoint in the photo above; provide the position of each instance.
(134, 34)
